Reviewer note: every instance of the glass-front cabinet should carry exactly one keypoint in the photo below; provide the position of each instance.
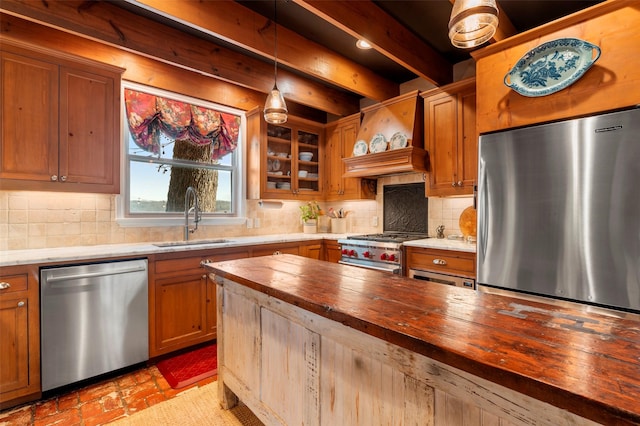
(290, 162)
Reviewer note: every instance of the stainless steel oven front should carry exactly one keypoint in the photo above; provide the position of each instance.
(435, 277)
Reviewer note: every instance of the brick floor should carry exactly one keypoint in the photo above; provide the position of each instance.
(98, 403)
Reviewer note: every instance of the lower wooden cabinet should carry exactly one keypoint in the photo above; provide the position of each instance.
(332, 251)
(182, 300)
(20, 335)
(451, 262)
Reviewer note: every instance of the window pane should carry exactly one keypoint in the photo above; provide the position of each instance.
(158, 187)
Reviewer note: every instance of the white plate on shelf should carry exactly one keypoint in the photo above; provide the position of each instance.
(398, 140)
(378, 143)
(360, 148)
(275, 165)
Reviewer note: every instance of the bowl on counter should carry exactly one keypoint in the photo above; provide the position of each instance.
(305, 156)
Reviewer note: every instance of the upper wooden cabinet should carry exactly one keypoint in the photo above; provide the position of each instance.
(60, 122)
(451, 139)
(612, 82)
(275, 168)
(341, 138)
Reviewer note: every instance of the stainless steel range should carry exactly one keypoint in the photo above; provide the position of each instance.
(405, 219)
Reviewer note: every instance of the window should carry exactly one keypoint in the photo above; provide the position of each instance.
(173, 142)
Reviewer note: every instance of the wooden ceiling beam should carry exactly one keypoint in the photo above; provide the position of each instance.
(241, 26)
(107, 23)
(365, 20)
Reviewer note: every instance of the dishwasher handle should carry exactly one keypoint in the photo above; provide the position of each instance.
(103, 273)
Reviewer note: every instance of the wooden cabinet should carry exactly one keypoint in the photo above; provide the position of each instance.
(311, 249)
(182, 300)
(20, 336)
(276, 168)
(451, 139)
(60, 118)
(332, 251)
(341, 138)
(452, 262)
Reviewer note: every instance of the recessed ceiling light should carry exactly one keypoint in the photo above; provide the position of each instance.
(363, 44)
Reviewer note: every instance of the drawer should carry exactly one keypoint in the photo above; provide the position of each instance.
(14, 283)
(444, 261)
(180, 264)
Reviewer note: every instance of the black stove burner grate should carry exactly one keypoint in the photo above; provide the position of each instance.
(390, 237)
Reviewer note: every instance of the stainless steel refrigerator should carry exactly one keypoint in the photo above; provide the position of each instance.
(559, 210)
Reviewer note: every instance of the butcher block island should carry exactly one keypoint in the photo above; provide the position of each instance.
(303, 341)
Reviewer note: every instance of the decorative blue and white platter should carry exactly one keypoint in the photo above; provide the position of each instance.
(398, 140)
(378, 143)
(360, 148)
(552, 66)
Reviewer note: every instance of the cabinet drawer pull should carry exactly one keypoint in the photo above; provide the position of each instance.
(4, 285)
(439, 262)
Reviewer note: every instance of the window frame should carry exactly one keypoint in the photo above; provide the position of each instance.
(238, 181)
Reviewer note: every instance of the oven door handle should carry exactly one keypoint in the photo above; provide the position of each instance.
(377, 268)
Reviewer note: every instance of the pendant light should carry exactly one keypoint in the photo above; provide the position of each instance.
(472, 22)
(275, 109)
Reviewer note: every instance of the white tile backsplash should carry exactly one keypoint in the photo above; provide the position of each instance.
(48, 220)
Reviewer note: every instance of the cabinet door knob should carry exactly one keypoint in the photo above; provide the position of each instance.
(459, 183)
(439, 262)
(205, 261)
(63, 178)
(54, 178)
(21, 303)
(4, 285)
(453, 184)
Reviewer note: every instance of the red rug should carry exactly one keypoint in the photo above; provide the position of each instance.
(190, 367)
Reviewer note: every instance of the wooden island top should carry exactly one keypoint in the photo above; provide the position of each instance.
(584, 362)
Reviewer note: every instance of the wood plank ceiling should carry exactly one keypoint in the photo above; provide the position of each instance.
(319, 67)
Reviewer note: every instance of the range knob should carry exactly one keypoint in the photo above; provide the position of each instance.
(392, 257)
(352, 252)
(384, 256)
(366, 255)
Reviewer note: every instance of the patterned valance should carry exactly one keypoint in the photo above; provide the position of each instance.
(149, 115)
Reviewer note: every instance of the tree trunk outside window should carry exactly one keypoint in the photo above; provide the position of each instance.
(205, 182)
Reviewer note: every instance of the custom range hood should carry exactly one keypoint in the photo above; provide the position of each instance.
(401, 116)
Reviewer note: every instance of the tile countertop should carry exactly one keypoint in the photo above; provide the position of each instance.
(82, 253)
(443, 244)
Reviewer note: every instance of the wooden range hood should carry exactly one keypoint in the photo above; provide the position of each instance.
(400, 114)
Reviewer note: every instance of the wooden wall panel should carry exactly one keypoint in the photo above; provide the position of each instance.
(612, 82)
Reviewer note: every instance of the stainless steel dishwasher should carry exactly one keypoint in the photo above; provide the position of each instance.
(94, 320)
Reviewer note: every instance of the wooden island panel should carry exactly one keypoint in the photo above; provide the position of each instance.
(505, 358)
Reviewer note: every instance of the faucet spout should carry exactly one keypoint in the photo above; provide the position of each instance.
(190, 193)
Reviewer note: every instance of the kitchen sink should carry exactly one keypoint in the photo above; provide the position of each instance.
(191, 243)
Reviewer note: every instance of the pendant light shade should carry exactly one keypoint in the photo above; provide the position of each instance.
(472, 22)
(275, 109)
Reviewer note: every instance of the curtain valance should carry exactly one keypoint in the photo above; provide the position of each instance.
(149, 115)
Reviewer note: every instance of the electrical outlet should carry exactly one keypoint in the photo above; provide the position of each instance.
(374, 221)
(256, 223)
(249, 223)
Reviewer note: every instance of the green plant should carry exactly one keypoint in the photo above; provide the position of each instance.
(310, 210)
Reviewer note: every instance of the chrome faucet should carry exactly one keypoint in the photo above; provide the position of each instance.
(187, 210)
